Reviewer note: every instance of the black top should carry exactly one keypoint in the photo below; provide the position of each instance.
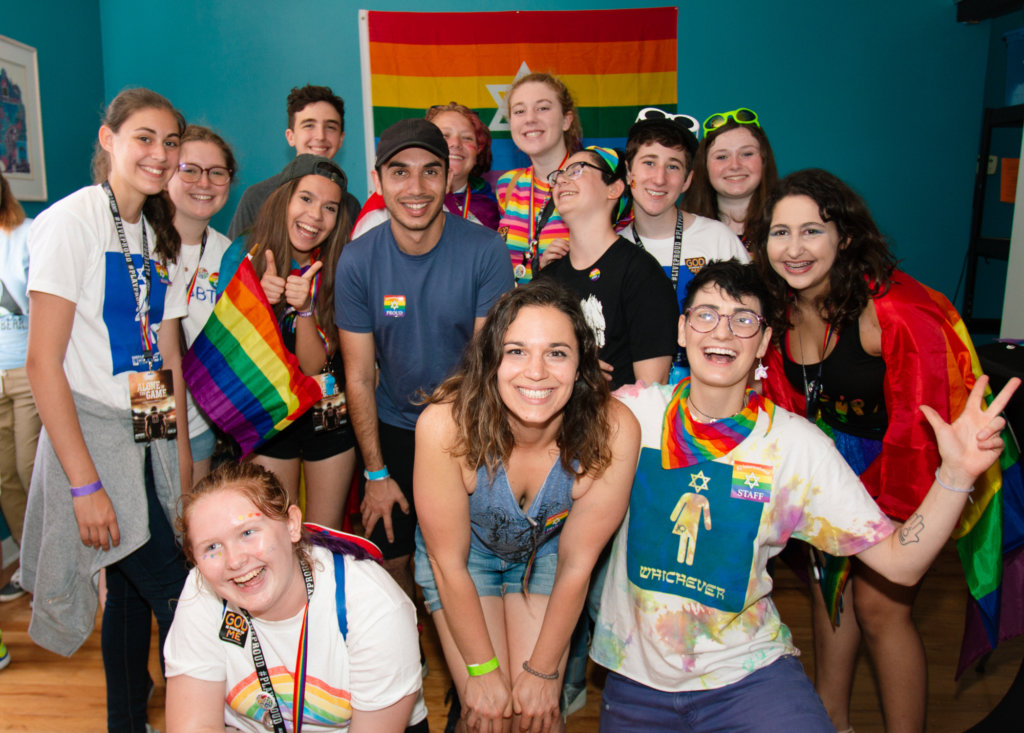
(628, 302)
(852, 394)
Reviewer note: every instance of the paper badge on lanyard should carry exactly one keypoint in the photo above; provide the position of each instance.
(152, 399)
(331, 412)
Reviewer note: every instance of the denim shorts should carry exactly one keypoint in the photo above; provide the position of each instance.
(491, 575)
(778, 698)
(203, 445)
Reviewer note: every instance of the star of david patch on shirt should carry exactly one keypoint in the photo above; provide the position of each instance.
(751, 481)
(394, 306)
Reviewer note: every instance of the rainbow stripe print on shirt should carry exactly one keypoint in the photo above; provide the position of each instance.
(324, 705)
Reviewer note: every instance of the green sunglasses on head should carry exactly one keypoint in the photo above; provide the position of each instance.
(742, 116)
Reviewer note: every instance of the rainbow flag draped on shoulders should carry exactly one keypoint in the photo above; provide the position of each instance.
(614, 62)
(238, 370)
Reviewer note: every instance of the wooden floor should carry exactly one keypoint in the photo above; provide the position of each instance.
(43, 692)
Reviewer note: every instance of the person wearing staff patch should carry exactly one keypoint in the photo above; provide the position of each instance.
(687, 626)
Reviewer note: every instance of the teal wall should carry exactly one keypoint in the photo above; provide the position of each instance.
(886, 95)
(66, 34)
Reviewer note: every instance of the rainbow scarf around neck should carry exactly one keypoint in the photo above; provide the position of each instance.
(239, 371)
(686, 442)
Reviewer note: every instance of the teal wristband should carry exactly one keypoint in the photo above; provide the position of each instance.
(376, 475)
(476, 670)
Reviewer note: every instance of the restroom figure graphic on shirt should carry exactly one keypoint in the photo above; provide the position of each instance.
(687, 515)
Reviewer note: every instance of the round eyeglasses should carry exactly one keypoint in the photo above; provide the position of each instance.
(743, 324)
(572, 171)
(191, 173)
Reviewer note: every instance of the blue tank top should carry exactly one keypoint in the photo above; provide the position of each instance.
(502, 528)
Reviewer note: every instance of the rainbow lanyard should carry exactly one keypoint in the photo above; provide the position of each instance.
(192, 282)
(314, 288)
(686, 442)
(268, 697)
(465, 208)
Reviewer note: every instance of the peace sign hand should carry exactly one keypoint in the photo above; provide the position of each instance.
(972, 443)
(297, 288)
(273, 286)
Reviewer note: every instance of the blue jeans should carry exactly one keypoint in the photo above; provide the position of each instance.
(778, 698)
(146, 582)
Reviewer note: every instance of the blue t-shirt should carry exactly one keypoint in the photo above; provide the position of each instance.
(420, 308)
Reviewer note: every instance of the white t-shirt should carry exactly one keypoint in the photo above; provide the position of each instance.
(687, 602)
(200, 304)
(75, 254)
(377, 666)
(704, 241)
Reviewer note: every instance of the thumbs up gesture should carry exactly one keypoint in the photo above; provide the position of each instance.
(273, 286)
(297, 288)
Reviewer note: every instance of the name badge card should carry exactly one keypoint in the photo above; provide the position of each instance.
(152, 399)
(331, 412)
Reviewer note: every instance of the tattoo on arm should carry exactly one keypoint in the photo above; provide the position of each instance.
(911, 531)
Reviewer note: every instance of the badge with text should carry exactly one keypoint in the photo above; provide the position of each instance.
(751, 481)
(394, 306)
(331, 412)
(152, 400)
(234, 629)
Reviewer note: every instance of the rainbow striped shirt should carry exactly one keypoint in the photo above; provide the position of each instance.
(514, 226)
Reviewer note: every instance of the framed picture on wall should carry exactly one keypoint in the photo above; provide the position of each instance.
(21, 128)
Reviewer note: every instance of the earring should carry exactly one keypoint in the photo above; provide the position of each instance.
(761, 372)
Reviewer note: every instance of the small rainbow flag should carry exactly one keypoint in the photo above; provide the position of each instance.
(614, 62)
(238, 369)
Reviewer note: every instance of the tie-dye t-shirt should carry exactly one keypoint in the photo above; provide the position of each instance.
(514, 204)
(687, 601)
(377, 667)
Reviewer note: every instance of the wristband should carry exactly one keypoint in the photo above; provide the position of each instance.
(475, 670)
(955, 490)
(77, 491)
(535, 673)
(376, 475)
(304, 314)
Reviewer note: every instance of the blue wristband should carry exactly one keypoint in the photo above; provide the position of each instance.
(376, 475)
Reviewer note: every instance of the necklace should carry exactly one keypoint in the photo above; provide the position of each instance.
(709, 418)
(812, 388)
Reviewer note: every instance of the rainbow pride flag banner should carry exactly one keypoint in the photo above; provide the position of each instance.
(239, 371)
(614, 62)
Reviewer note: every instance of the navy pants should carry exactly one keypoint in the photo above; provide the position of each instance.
(146, 583)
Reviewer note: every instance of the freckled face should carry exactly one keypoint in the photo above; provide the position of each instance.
(247, 558)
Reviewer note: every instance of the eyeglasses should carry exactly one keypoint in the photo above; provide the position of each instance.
(648, 114)
(572, 171)
(191, 173)
(742, 116)
(743, 324)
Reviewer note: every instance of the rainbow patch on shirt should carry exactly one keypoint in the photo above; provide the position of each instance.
(394, 306)
(554, 520)
(751, 481)
(161, 271)
(214, 277)
(595, 274)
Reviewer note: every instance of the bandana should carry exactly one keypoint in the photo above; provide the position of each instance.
(686, 442)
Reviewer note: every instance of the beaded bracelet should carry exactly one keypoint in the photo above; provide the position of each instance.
(476, 670)
(531, 670)
(77, 491)
(955, 490)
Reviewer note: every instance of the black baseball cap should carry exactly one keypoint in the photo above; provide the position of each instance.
(414, 132)
(313, 165)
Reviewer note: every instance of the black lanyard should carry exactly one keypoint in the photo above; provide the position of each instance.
(261, 665)
(141, 303)
(677, 246)
(530, 255)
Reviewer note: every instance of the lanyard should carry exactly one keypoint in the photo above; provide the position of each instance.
(537, 224)
(192, 282)
(141, 303)
(465, 208)
(268, 700)
(677, 245)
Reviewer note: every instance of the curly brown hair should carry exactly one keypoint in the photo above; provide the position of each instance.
(863, 266)
(485, 435)
(702, 199)
(271, 232)
(158, 209)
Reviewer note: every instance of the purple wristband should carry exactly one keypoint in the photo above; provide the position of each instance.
(92, 488)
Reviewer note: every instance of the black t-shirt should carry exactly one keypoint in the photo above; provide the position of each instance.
(628, 302)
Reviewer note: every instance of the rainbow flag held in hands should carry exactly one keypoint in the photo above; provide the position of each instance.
(239, 371)
(614, 63)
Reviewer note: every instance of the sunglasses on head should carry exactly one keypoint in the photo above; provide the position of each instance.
(648, 114)
(742, 116)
